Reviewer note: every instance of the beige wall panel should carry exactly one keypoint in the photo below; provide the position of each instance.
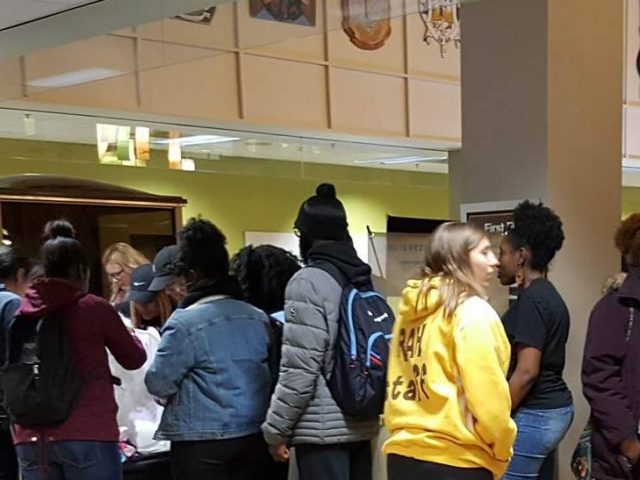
(10, 79)
(205, 88)
(287, 93)
(632, 44)
(220, 33)
(151, 31)
(632, 126)
(435, 109)
(126, 32)
(257, 33)
(425, 60)
(156, 54)
(388, 58)
(308, 48)
(368, 103)
(105, 52)
(113, 93)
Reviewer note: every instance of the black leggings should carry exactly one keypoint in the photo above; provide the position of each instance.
(404, 468)
(8, 460)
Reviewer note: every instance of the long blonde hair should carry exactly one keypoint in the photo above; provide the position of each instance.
(127, 257)
(164, 306)
(124, 255)
(448, 262)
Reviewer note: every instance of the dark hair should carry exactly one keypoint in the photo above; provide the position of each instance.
(263, 273)
(11, 261)
(202, 249)
(537, 228)
(62, 256)
(627, 239)
(58, 228)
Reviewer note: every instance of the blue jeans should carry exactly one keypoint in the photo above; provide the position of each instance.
(539, 433)
(71, 460)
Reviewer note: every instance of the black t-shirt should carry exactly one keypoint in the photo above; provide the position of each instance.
(540, 319)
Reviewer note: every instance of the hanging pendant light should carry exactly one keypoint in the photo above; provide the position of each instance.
(441, 19)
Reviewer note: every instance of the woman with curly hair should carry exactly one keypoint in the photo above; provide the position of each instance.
(212, 367)
(263, 273)
(611, 363)
(537, 326)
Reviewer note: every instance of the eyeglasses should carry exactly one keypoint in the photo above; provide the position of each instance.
(296, 232)
(116, 275)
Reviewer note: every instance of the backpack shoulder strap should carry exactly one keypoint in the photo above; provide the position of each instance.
(332, 270)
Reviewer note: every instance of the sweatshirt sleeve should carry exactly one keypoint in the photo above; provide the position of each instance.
(602, 363)
(125, 347)
(305, 342)
(482, 356)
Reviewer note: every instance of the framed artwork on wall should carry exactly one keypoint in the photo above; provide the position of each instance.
(202, 17)
(297, 12)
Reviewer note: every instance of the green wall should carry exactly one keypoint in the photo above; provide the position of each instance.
(630, 201)
(239, 194)
(256, 195)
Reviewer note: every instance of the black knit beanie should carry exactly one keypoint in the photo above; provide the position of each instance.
(322, 217)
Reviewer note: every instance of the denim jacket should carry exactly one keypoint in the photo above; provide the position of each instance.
(213, 369)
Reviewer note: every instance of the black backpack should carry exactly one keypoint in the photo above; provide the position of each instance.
(41, 386)
(358, 380)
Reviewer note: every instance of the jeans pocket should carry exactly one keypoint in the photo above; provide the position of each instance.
(78, 455)
(556, 425)
(27, 456)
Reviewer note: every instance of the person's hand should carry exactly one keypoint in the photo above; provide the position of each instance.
(630, 448)
(280, 453)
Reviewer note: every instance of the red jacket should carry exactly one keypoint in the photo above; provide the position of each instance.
(93, 326)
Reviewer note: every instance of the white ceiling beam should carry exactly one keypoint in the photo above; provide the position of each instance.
(91, 20)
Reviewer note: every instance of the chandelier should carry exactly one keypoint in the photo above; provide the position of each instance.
(441, 21)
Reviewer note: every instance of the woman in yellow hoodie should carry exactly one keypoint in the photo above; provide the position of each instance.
(448, 405)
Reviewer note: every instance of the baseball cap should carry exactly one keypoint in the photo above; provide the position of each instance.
(141, 278)
(162, 268)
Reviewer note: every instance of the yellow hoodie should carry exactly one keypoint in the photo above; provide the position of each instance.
(447, 395)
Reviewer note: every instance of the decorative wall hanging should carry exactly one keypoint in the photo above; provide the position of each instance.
(298, 12)
(366, 22)
(203, 17)
(441, 19)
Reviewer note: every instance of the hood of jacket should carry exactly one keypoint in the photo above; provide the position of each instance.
(630, 286)
(48, 295)
(414, 304)
(343, 256)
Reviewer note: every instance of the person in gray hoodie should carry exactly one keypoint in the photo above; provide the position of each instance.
(328, 443)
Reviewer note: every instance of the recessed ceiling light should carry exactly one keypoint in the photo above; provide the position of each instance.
(74, 78)
(198, 140)
(400, 160)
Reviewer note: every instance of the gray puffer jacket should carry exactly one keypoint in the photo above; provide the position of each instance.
(302, 409)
